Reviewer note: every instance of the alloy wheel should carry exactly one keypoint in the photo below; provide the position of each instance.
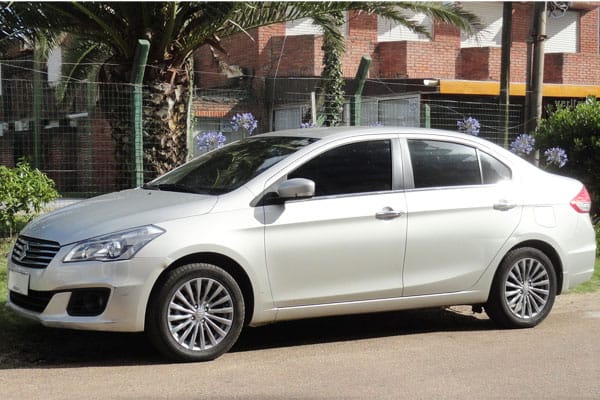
(200, 314)
(527, 288)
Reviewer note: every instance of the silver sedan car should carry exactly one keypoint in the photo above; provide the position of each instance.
(308, 223)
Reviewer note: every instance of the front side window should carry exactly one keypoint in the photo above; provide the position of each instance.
(225, 169)
(442, 164)
(353, 168)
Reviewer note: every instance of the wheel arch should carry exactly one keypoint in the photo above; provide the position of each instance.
(550, 252)
(222, 261)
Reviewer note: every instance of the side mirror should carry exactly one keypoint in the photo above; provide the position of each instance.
(296, 188)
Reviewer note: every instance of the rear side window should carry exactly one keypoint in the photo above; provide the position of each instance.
(437, 163)
(441, 164)
(353, 168)
(493, 171)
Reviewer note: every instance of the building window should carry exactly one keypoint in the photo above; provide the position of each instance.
(54, 66)
(490, 35)
(391, 31)
(289, 117)
(305, 26)
(562, 33)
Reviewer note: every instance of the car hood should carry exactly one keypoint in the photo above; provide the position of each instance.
(115, 212)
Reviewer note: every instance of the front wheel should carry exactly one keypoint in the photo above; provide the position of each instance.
(523, 290)
(197, 314)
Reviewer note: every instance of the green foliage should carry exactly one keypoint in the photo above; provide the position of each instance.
(597, 229)
(25, 191)
(577, 130)
(332, 75)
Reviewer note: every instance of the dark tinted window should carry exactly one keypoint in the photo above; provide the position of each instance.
(438, 163)
(354, 168)
(493, 171)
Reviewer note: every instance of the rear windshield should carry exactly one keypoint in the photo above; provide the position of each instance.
(225, 169)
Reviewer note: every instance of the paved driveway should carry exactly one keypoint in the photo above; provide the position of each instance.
(405, 355)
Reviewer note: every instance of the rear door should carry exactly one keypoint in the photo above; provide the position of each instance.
(461, 210)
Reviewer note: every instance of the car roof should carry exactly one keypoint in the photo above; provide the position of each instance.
(333, 133)
(350, 131)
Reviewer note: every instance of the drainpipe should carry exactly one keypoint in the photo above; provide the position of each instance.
(536, 81)
(505, 67)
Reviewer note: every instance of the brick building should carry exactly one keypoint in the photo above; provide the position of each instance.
(272, 71)
(270, 63)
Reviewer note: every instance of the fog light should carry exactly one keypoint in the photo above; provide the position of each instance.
(88, 302)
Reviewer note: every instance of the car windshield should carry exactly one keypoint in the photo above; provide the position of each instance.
(229, 167)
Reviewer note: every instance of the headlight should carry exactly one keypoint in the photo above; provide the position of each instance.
(116, 246)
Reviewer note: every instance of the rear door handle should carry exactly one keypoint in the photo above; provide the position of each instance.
(504, 205)
(388, 213)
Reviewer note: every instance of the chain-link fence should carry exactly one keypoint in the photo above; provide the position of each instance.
(82, 137)
(406, 110)
(69, 138)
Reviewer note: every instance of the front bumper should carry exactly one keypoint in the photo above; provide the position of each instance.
(50, 292)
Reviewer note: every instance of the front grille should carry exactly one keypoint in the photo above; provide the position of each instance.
(34, 301)
(34, 253)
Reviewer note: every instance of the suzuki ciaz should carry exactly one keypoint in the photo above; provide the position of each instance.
(308, 223)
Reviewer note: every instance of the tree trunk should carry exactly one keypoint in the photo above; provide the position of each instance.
(166, 99)
(166, 96)
(115, 104)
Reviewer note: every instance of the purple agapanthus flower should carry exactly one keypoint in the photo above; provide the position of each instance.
(556, 156)
(244, 121)
(522, 145)
(210, 140)
(308, 124)
(469, 126)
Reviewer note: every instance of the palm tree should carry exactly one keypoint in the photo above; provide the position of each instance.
(107, 32)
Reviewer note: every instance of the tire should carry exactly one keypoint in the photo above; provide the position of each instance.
(523, 290)
(197, 313)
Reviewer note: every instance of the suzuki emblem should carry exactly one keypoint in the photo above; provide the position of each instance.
(24, 251)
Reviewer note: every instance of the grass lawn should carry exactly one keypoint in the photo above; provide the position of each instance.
(593, 284)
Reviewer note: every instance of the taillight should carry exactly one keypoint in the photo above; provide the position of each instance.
(582, 203)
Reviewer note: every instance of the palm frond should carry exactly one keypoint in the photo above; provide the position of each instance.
(176, 29)
(81, 60)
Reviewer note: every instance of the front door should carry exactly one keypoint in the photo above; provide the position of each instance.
(347, 242)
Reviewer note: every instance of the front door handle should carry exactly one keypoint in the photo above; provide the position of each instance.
(504, 205)
(388, 213)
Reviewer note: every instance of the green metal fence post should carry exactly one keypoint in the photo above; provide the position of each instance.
(361, 76)
(139, 65)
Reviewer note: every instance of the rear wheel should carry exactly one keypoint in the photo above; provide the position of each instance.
(197, 314)
(523, 290)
